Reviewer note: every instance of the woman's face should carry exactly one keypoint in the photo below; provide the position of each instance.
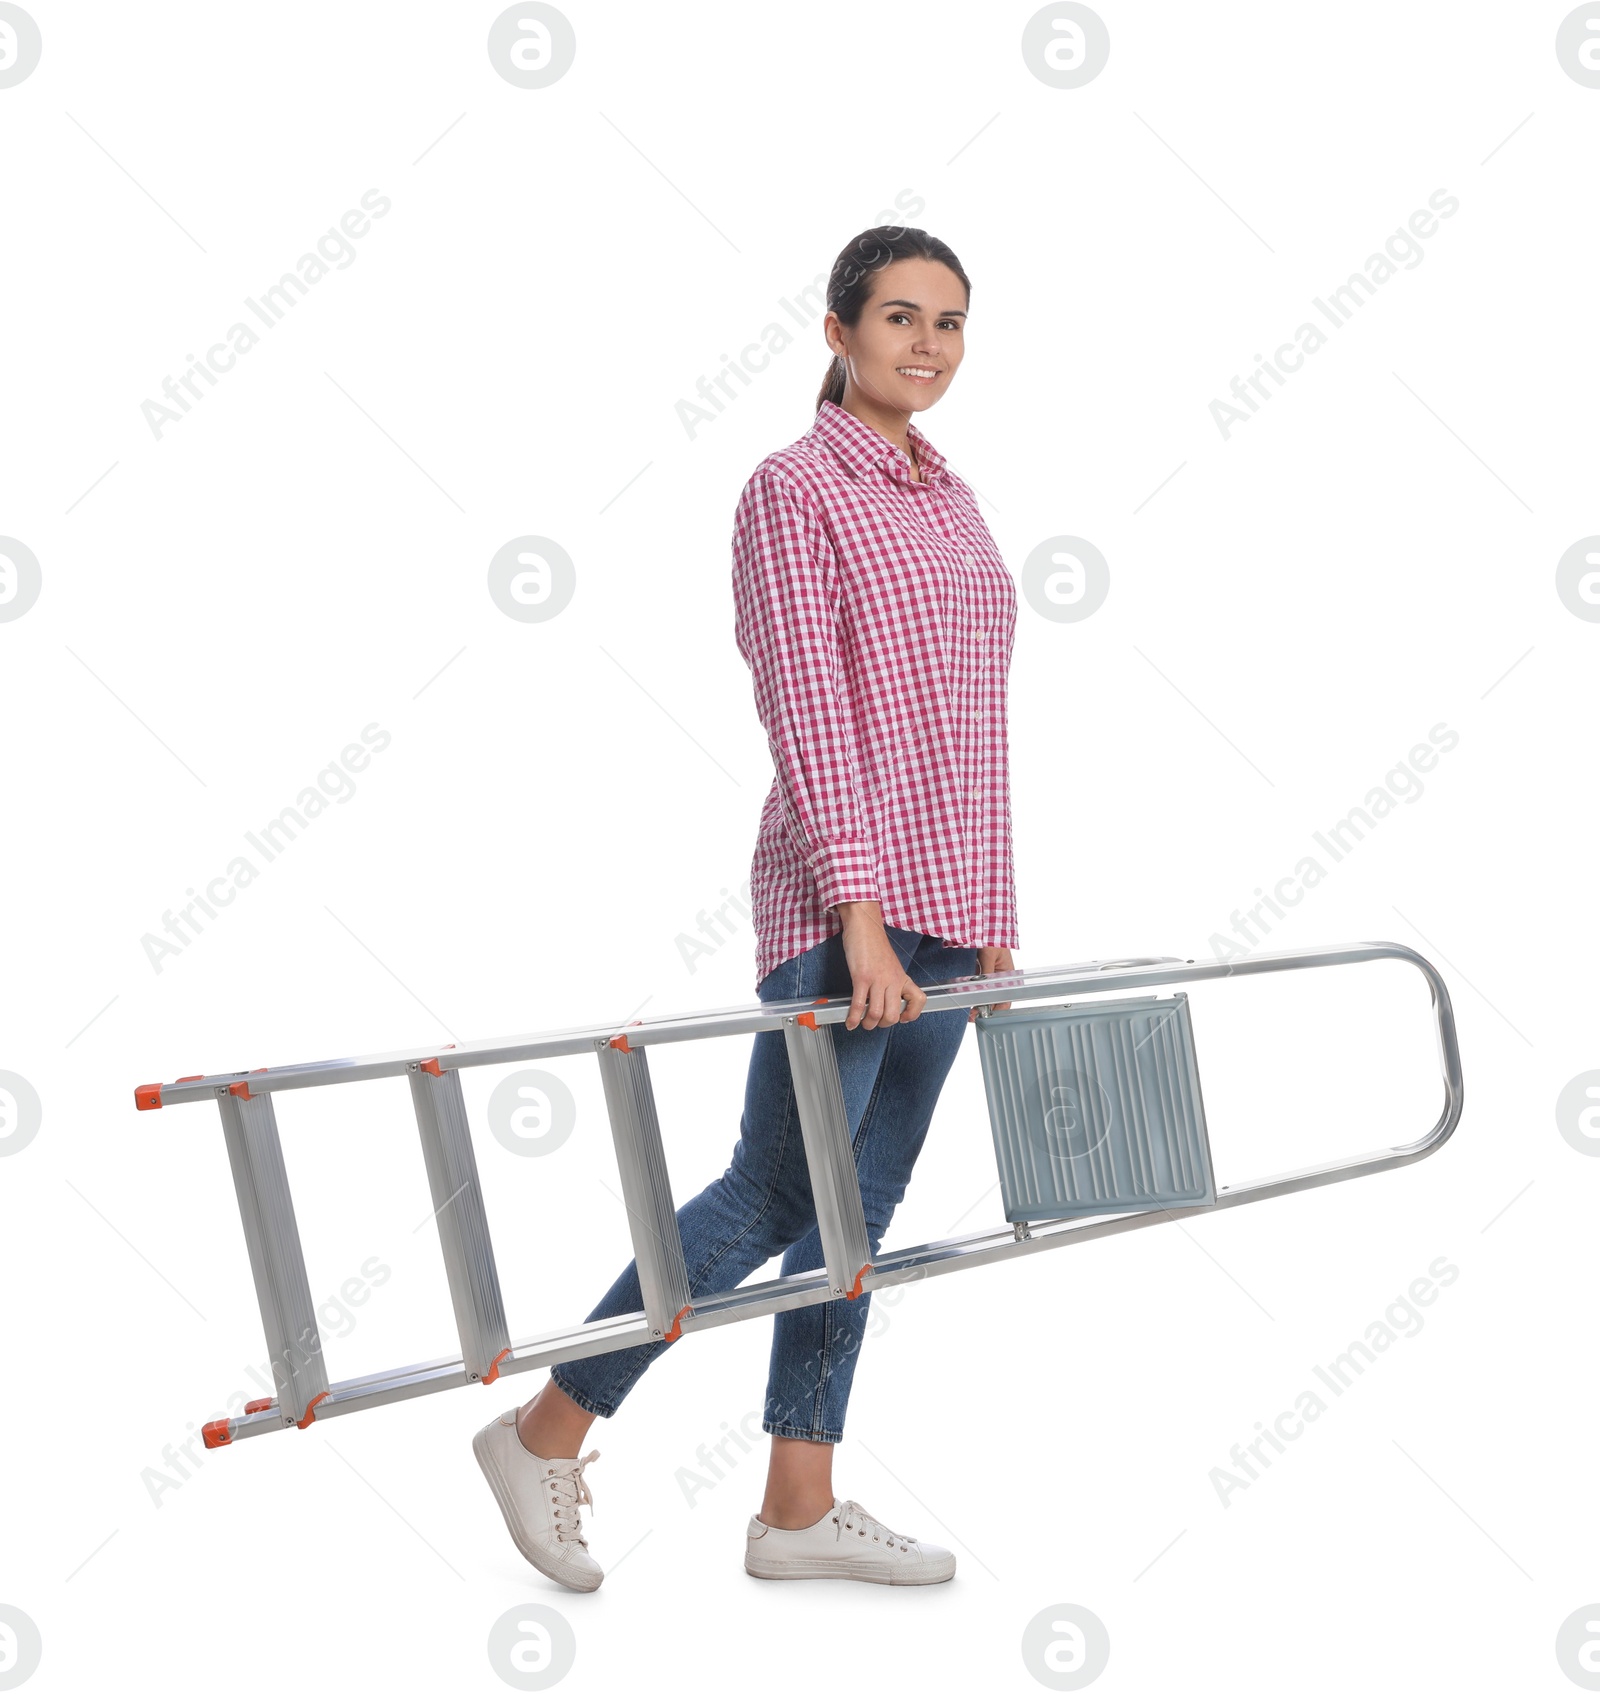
(914, 322)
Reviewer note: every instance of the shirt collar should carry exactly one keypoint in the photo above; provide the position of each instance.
(861, 448)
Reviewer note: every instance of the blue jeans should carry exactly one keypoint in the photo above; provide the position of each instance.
(762, 1204)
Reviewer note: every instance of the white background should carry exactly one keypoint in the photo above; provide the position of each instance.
(223, 608)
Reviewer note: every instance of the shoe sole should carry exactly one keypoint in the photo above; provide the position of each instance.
(805, 1570)
(535, 1556)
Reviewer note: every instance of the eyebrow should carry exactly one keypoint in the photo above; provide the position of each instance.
(957, 313)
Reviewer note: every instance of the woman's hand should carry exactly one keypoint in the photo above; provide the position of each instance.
(878, 980)
(990, 960)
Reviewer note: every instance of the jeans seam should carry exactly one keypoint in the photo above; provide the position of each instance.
(767, 1197)
(801, 968)
(829, 1325)
(860, 1139)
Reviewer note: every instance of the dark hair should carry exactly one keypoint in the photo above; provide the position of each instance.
(850, 281)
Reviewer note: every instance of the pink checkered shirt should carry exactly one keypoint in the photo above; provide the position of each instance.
(876, 616)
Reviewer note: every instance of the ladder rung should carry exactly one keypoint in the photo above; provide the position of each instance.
(825, 1126)
(294, 1343)
(463, 1228)
(646, 1189)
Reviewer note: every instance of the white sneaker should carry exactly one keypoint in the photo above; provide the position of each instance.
(846, 1541)
(539, 1499)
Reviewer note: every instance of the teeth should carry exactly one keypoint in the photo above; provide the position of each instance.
(915, 370)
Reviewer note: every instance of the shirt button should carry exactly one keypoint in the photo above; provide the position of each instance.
(969, 558)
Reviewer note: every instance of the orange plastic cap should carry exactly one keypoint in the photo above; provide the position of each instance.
(809, 1018)
(311, 1410)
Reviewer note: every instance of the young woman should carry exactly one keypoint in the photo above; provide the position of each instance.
(876, 616)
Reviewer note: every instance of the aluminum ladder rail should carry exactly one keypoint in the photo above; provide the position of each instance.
(249, 1125)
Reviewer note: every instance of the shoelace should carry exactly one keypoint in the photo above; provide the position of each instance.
(570, 1489)
(851, 1509)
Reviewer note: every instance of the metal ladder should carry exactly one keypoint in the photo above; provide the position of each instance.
(250, 1129)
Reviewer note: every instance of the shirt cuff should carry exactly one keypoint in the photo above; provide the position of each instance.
(845, 872)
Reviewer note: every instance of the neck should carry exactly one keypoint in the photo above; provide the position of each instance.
(893, 425)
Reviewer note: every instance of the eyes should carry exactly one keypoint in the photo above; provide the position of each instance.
(944, 323)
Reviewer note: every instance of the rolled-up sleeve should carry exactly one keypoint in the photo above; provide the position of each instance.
(786, 598)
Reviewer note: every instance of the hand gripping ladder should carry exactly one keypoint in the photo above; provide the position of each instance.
(249, 1127)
